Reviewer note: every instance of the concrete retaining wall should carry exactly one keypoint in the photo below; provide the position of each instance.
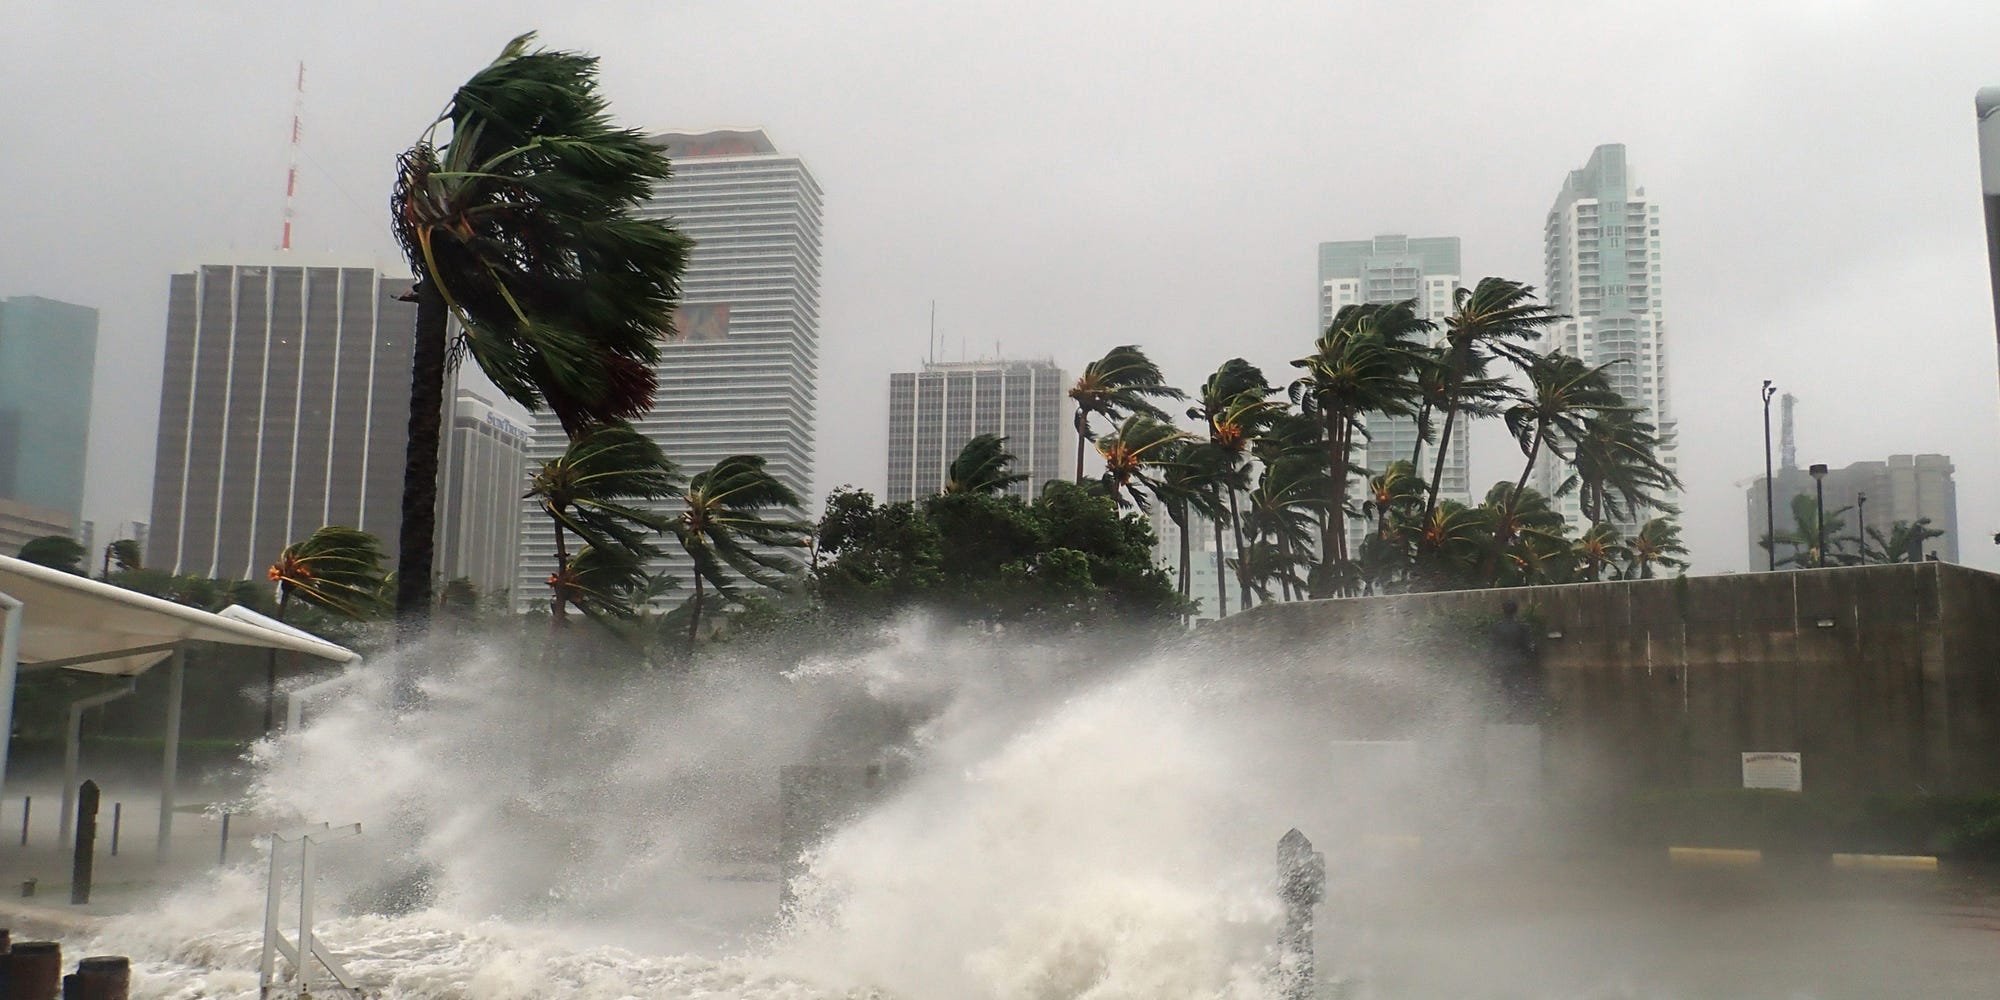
(1886, 678)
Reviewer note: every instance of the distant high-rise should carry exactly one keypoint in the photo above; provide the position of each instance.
(479, 497)
(1903, 488)
(284, 406)
(1601, 254)
(934, 412)
(1986, 104)
(48, 358)
(742, 376)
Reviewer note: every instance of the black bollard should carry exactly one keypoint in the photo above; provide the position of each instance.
(104, 977)
(27, 808)
(32, 970)
(86, 844)
(1301, 883)
(222, 853)
(117, 811)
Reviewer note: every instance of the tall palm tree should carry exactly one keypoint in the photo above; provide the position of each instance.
(1183, 479)
(1131, 452)
(1283, 509)
(601, 583)
(335, 568)
(520, 225)
(1658, 543)
(1528, 538)
(1562, 393)
(1616, 469)
(592, 490)
(1235, 407)
(125, 553)
(1360, 365)
(1903, 543)
(982, 466)
(1804, 535)
(1450, 547)
(1494, 318)
(1600, 547)
(1124, 381)
(723, 527)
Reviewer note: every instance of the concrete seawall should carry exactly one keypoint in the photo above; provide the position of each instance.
(1885, 678)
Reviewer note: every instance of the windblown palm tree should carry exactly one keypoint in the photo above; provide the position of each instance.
(1562, 394)
(1184, 479)
(724, 528)
(1450, 547)
(1491, 319)
(1616, 469)
(335, 568)
(1283, 509)
(1131, 452)
(1235, 408)
(1658, 543)
(1124, 381)
(592, 491)
(124, 553)
(1529, 539)
(1360, 365)
(1601, 547)
(1803, 538)
(1904, 542)
(982, 466)
(520, 225)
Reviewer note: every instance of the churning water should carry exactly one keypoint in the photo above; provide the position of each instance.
(1072, 823)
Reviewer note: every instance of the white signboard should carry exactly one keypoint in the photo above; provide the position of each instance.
(1769, 769)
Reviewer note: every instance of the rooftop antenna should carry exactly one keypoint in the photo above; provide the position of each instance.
(930, 353)
(1788, 446)
(292, 173)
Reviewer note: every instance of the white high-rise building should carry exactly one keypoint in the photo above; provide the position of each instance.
(741, 376)
(1601, 252)
(934, 412)
(482, 476)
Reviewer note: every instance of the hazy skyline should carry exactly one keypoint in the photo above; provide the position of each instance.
(1063, 178)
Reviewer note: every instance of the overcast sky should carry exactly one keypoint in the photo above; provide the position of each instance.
(1062, 177)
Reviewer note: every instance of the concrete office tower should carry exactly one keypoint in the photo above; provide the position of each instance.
(284, 406)
(48, 359)
(1391, 269)
(1903, 488)
(479, 497)
(934, 412)
(1987, 105)
(1601, 254)
(741, 378)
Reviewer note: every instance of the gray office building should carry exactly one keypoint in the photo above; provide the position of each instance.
(48, 359)
(934, 412)
(479, 497)
(742, 375)
(284, 406)
(1902, 488)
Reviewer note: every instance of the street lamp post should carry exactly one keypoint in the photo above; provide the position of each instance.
(1770, 502)
(1861, 524)
(1819, 504)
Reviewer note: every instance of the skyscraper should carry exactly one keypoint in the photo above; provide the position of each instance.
(1393, 268)
(1601, 254)
(284, 406)
(741, 378)
(48, 358)
(934, 412)
(1903, 488)
(479, 497)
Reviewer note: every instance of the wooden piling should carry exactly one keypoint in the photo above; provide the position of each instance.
(102, 977)
(31, 970)
(85, 860)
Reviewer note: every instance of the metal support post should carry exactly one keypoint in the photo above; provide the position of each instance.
(302, 953)
(10, 667)
(170, 757)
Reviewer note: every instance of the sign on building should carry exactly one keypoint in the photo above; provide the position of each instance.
(1770, 769)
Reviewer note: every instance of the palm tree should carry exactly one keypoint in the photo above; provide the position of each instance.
(589, 491)
(1235, 407)
(982, 466)
(337, 569)
(1130, 453)
(1903, 543)
(723, 528)
(1449, 547)
(602, 583)
(1803, 538)
(1360, 365)
(1616, 467)
(1658, 543)
(1562, 393)
(1123, 381)
(1528, 538)
(1184, 480)
(124, 552)
(1600, 547)
(1287, 503)
(1491, 319)
(521, 227)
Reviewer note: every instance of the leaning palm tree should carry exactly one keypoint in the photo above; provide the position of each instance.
(723, 527)
(601, 583)
(125, 553)
(1131, 452)
(595, 490)
(1658, 543)
(1599, 548)
(1562, 394)
(1235, 407)
(1361, 365)
(1903, 543)
(982, 466)
(1283, 509)
(1184, 478)
(1491, 319)
(516, 209)
(336, 569)
(1124, 381)
(1616, 470)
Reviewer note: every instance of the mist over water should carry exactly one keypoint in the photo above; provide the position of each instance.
(1077, 820)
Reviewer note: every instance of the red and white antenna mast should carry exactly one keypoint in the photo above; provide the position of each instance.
(292, 173)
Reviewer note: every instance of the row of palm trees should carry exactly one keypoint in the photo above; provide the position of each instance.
(1276, 467)
(1800, 544)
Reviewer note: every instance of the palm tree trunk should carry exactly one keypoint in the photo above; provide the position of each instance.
(1417, 453)
(420, 461)
(1081, 425)
(1242, 571)
(1185, 553)
(1221, 575)
(1534, 451)
(1333, 542)
(1291, 560)
(558, 613)
(1444, 441)
(694, 617)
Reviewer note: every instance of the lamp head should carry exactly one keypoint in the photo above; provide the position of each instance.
(1818, 470)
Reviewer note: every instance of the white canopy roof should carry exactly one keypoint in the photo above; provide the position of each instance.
(76, 622)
